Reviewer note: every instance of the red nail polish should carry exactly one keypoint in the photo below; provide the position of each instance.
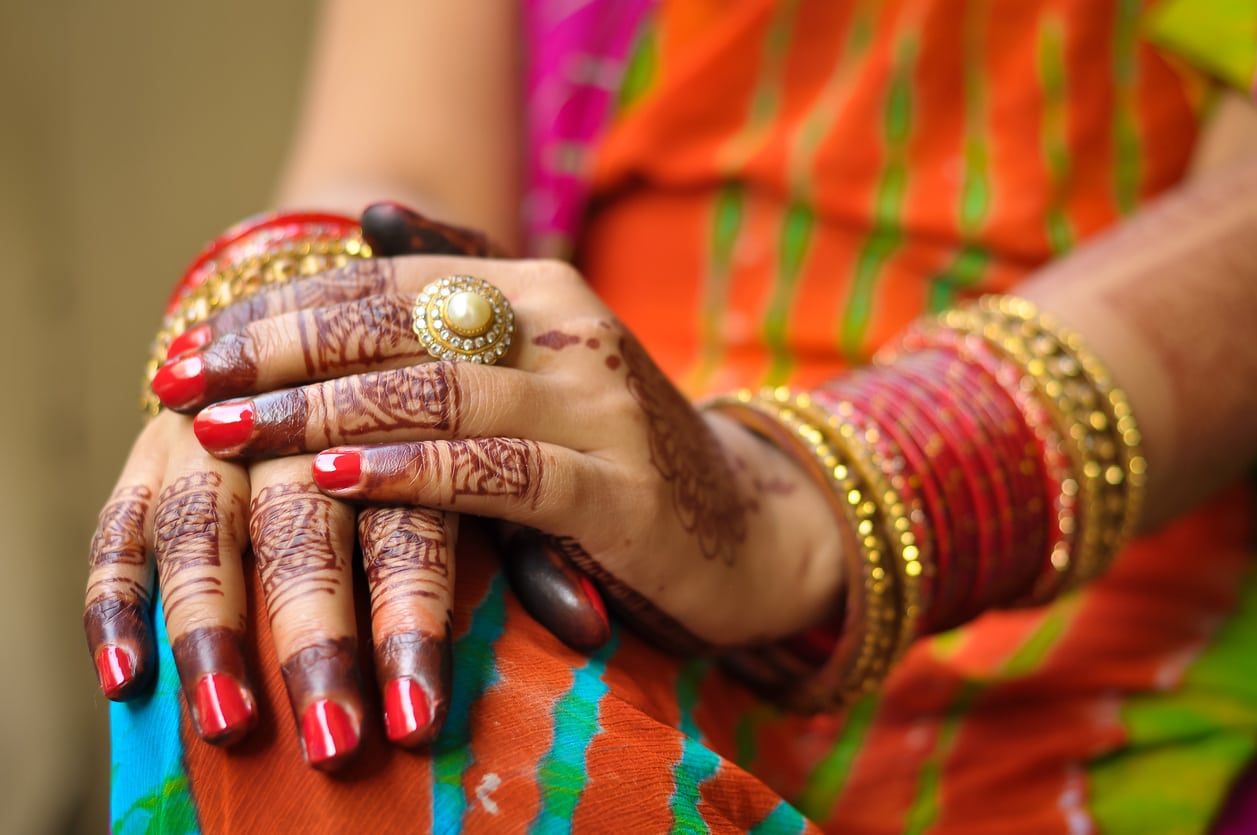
(222, 710)
(180, 382)
(407, 714)
(337, 470)
(189, 340)
(114, 668)
(595, 599)
(329, 733)
(224, 426)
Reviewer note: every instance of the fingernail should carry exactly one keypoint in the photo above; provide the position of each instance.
(180, 381)
(337, 470)
(407, 714)
(329, 733)
(224, 426)
(222, 709)
(595, 599)
(189, 340)
(115, 669)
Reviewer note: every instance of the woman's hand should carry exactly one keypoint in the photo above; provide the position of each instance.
(197, 512)
(703, 534)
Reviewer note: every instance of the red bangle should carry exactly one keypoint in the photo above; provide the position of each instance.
(258, 235)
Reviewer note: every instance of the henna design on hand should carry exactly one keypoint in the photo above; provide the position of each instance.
(426, 658)
(495, 467)
(186, 533)
(404, 553)
(324, 669)
(420, 397)
(355, 280)
(363, 333)
(125, 624)
(688, 456)
(555, 340)
(119, 537)
(291, 530)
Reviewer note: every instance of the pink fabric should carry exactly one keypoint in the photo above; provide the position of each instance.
(577, 52)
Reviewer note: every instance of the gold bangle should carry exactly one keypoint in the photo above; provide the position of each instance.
(234, 282)
(867, 643)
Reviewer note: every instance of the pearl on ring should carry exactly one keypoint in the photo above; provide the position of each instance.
(468, 313)
(463, 318)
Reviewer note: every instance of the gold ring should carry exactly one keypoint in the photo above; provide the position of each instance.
(461, 317)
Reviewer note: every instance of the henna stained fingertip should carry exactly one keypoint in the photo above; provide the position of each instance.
(180, 382)
(323, 686)
(211, 667)
(119, 637)
(558, 596)
(416, 669)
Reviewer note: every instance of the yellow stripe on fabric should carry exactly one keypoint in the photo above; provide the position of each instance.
(1185, 746)
(886, 233)
(1050, 56)
(1024, 659)
(800, 215)
(972, 258)
(1218, 37)
(729, 208)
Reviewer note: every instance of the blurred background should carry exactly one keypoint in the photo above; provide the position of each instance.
(130, 134)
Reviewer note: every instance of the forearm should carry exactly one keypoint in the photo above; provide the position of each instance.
(1169, 302)
(415, 102)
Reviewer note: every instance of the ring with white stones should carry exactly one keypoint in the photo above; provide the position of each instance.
(461, 317)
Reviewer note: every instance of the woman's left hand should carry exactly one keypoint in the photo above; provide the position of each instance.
(704, 535)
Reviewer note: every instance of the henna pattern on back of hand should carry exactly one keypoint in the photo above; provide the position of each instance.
(291, 529)
(365, 333)
(420, 397)
(688, 456)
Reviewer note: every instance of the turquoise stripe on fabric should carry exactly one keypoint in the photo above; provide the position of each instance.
(148, 784)
(698, 763)
(784, 819)
(474, 674)
(562, 775)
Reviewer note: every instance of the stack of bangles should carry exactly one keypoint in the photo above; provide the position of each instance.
(984, 460)
(259, 252)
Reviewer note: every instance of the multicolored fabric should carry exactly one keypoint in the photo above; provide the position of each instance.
(784, 186)
(1218, 37)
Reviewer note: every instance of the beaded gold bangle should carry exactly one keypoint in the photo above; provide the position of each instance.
(234, 282)
(858, 442)
(868, 640)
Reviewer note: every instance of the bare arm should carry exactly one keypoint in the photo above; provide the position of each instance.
(417, 102)
(1169, 302)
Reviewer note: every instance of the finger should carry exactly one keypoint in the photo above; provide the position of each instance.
(406, 552)
(116, 613)
(553, 591)
(199, 530)
(421, 402)
(370, 334)
(526, 482)
(389, 228)
(392, 229)
(303, 542)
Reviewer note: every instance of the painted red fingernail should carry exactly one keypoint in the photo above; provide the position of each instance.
(224, 426)
(115, 669)
(189, 340)
(329, 733)
(180, 381)
(407, 713)
(222, 709)
(337, 470)
(595, 599)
